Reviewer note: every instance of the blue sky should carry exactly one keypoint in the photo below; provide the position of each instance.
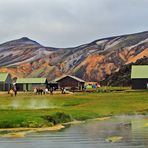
(66, 23)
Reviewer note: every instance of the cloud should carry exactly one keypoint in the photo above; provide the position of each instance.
(64, 23)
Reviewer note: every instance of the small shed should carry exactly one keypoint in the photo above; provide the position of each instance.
(70, 82)
(28, 84)
(139, 76)
(5, 81)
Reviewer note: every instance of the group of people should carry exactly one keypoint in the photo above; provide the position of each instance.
(37, 91)
(40, 91)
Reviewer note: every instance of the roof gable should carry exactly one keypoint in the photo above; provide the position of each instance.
(31, 80)
(73, 77)
(76, 78)
(139, 71)
(3, 76)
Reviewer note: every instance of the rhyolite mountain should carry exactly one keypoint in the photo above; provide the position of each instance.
(123, 76)
(91, 62)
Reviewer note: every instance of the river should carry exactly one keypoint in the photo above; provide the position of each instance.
(117, 132)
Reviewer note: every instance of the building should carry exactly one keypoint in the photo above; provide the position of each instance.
(139, 76)
(28, 84)
(5, 81)
(70, 82)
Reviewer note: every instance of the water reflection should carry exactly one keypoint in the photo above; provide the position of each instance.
(134, 131)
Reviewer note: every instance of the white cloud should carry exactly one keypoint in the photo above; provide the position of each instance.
(63, 23)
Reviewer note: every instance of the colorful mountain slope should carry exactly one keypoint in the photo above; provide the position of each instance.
(92, 62)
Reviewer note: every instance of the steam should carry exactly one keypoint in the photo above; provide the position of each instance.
(31, 104)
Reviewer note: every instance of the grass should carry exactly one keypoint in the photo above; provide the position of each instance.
(29, 110)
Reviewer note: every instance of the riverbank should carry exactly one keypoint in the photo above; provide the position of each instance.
(119, 131)
(31, 111)
(22, 132)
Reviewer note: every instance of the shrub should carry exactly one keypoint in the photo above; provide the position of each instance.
(59, 117)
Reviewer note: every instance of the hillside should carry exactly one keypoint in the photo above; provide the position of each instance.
(122, 77)
(92, 62)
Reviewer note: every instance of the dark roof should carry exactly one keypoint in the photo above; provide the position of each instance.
(73, 77)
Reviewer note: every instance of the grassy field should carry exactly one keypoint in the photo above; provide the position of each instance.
(29, 110)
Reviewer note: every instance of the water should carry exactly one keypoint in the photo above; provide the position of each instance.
(94, 134)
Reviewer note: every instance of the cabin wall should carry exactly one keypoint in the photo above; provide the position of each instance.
(5, 87)
(70, 83)
(20, 87)
(29, 87)
(2, 86)
(41, 86)
(81, 85)
(139, 83)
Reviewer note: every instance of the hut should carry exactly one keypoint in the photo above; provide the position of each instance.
(28, 84)
(70, 82)
(139, 77)
(5, 81)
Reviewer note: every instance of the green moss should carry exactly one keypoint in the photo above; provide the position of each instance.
(26, 110)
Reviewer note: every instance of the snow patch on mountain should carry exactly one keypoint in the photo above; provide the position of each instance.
(141, 42)
(113, 43)
(101, 42)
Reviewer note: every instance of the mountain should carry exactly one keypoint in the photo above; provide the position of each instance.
(92, 62)
(122, 77)
(21, 51)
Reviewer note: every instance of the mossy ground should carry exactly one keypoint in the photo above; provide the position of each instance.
(29, 110)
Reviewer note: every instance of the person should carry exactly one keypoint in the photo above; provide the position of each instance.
(15, 92)
(38, 91)
(41, 91)
(11, 92)
(62, 90)
(51, 90)
(35, 91)
(46, 90)
(98, 85)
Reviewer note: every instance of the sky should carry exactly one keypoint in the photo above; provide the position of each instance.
(69, 23)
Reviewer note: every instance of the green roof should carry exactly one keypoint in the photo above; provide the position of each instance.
(139, 71)
(30, 80)
(73, 77)
(3, 76)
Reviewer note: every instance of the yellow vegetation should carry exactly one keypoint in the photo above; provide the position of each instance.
(114, 139)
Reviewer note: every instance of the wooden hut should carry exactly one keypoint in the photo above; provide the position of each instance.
(139, 76)
(5, 81)
(70, 82)
(28, 84)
